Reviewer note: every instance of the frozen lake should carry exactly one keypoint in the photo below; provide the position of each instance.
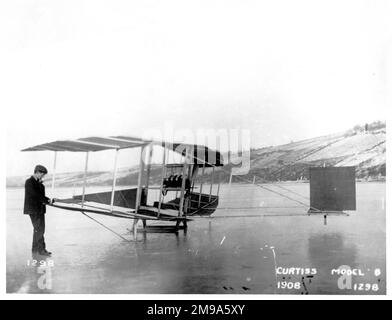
(221, 255)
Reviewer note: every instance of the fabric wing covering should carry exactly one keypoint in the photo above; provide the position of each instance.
(201, 153)
(90, 144)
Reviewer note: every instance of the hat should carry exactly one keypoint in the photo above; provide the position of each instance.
(41, 169)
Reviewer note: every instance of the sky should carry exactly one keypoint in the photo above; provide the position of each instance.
(283, 70)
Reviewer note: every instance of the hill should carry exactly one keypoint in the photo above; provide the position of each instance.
(364, 149)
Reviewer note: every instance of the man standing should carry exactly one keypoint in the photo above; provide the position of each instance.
(35, 206)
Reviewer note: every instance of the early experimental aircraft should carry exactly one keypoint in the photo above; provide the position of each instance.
(332, 189)
(135, 203)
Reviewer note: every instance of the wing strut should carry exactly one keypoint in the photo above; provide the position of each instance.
(163, 177)
(114, 179)
(140, 180)
(184, 170)
(149, 159)
(85, 178)
(212, 182)
(201, 183)
(54, 171)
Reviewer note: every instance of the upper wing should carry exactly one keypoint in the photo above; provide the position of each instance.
(91, 144)
(202, 155)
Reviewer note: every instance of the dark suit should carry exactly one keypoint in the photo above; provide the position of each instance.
(34, 205)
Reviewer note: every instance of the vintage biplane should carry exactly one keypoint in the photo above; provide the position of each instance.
(179, 198)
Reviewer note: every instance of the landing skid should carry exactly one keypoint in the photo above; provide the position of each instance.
(327, 213)
(157, 228)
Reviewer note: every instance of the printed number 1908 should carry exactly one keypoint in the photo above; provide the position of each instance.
(288, 285)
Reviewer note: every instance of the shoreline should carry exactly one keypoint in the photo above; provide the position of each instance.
(223, 183)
